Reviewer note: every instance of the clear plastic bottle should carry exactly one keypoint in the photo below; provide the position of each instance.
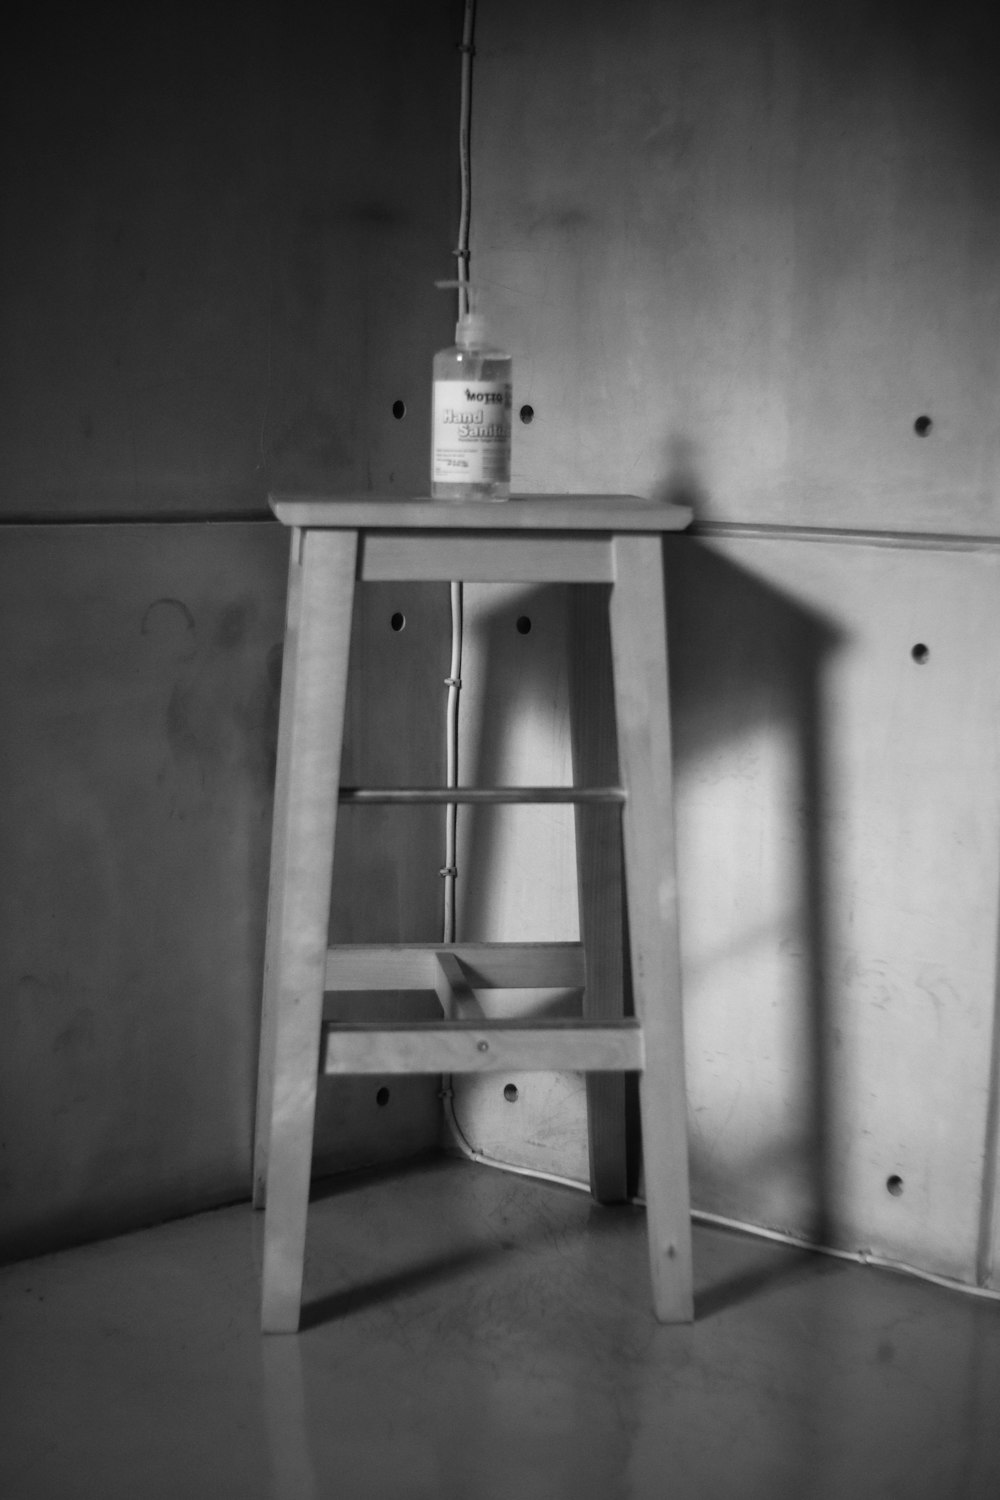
(471, 417)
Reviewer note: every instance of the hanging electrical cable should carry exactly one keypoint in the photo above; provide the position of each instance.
(454, 679)
(467, 49)
(454, 685)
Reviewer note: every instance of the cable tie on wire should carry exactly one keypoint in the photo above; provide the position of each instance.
(453, 682)
(466, 47)
(447, 870)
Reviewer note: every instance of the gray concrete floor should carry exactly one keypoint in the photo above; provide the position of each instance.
(471, 1335)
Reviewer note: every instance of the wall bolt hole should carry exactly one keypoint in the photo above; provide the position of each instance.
(922, 426)
(920, 653)
(382, 1098)
(527, 415)
(894, 1185)
(523, 625)
(510, 1093)
(399, 410)
(398, 620)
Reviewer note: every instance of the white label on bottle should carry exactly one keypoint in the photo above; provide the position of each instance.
(471, 432)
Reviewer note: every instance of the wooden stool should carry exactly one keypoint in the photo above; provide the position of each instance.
(603, 539)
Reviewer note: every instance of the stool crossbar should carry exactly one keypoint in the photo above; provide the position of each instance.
(337, 542)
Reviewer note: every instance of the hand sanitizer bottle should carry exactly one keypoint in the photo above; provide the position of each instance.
(471, 421)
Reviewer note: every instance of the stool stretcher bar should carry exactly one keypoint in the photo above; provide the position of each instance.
(355, 796)
(484, 966)
(396, 556)
(483, 1047)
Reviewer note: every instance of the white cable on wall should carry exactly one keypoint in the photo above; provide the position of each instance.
(755, 1231)
(454, 678)
(465, 155)
(454, 683)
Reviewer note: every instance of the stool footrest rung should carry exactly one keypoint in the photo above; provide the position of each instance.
(485, 966)
(483, 1047)
(354, 796)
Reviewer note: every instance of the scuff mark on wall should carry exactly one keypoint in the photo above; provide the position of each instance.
(171, 622)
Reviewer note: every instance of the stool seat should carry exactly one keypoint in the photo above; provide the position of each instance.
(336, 543)
(559, 513)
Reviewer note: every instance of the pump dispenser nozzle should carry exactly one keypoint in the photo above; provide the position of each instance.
(470, 330)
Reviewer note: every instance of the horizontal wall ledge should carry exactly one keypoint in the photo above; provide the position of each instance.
(940, 541)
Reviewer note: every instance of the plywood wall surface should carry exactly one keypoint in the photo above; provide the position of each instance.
(738, 251)
(837, 802)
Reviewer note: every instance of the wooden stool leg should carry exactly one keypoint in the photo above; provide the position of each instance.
(265, 1064)
(638, 644)
(599, 881)
(304, 855)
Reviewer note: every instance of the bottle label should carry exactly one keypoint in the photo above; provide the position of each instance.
(471, 432)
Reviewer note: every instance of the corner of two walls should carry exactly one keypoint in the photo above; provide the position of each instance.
(737, 254)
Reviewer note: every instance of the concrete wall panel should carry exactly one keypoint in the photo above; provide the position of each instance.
(220, 237)
(852, 987)
(141, 667)
(517, 865)
(221, 231)
(737, 250)
(840, 876)
(140, 675)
